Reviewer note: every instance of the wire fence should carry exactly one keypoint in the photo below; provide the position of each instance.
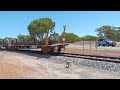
(91, 45)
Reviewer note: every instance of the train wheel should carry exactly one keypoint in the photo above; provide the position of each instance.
(46, 49)
(56, 49)
(43, 50)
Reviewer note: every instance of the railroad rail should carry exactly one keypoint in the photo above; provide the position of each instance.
(81, 56)
(92, 57)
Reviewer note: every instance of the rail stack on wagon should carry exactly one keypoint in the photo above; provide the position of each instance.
(52, 47)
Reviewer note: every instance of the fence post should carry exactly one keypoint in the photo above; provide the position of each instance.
(2, 42)
(96, 44)
(90, 45)
(83, 45)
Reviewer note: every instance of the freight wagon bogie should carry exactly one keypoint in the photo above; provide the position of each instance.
(51, 49)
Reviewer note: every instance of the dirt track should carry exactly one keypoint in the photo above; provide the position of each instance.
(21, 66)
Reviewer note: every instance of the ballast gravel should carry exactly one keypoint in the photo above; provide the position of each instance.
(15, 65)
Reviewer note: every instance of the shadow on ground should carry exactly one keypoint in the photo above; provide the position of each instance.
(37, 54)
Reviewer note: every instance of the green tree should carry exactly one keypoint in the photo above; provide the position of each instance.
(1, 41)
(39, 28)
(71, 37)
(53, 36)
(89, 38)
(32, 28)
(109, 32)
(23, 38)
(27, 38)
(117, 34)
(7, 40)
(106, 32)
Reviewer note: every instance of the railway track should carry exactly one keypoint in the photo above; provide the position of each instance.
(92, 57)
(82, 56)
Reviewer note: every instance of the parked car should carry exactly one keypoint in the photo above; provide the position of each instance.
(106, 42)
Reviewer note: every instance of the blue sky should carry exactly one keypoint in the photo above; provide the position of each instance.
(13, 23)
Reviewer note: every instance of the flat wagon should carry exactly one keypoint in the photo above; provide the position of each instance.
(51, 47)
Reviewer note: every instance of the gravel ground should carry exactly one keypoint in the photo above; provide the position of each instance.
(30, 66)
